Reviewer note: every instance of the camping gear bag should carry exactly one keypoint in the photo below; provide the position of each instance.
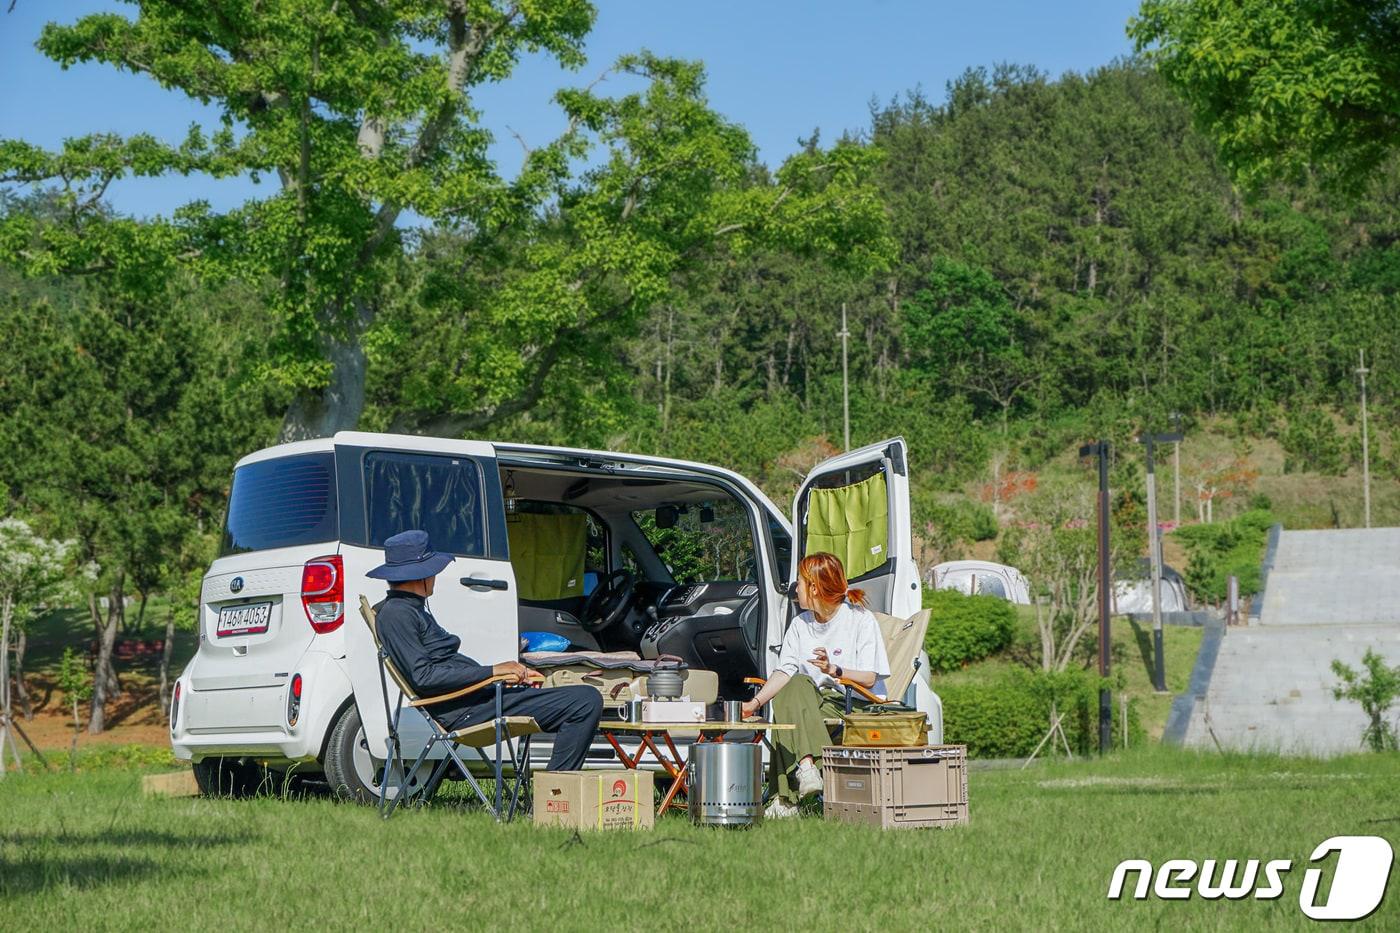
(893, 725)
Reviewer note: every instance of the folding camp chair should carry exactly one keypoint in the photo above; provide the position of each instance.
(903, 640)
(498, 730)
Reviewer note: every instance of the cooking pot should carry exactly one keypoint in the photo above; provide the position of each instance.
(665, 684)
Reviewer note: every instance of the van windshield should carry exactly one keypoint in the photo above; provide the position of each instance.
(286, 502)
(709, 541)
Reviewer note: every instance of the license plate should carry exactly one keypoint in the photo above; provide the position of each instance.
(250, 619)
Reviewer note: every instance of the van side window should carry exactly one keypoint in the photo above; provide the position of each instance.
(284, 502)
(782, 548)
(440, 495)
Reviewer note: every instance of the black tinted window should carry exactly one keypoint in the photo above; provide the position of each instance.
(440, 495)
(281, 503)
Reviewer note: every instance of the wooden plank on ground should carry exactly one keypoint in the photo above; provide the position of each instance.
(173, 784)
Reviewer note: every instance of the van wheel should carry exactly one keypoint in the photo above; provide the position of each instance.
(230, 777)
(352, 772)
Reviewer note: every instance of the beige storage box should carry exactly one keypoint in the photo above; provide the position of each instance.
(895, 788)
(594, 799)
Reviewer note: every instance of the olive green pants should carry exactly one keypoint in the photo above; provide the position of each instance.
(803, 705)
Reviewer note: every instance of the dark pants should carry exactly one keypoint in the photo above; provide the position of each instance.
(571, 713)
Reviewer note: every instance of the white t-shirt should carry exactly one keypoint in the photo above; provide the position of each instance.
(851, 638)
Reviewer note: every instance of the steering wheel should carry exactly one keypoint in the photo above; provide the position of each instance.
(608, 602)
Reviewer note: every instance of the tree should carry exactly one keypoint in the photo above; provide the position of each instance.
(962, 326)
(122, 410)
(1284, 86)
(1055, 543)
(76, 684)
(33, 571)
(1375, 689)
(364, 112)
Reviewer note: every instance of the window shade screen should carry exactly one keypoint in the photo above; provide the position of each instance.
(547, 553)
(852, 522)
(440, 495)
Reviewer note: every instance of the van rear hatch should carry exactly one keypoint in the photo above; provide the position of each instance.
(253, 624)
(249, 621)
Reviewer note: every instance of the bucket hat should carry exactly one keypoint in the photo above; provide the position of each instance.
(407, 556)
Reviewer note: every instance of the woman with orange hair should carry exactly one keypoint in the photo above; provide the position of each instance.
(835, 638)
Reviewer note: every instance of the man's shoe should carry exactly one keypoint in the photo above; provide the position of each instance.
(809, 779)
(780, 809)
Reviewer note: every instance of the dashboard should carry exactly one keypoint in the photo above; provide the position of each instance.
(713, 625)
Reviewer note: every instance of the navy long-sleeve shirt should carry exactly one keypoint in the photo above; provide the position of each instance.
(423, 651)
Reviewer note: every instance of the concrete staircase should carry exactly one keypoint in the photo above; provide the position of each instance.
(1328, 595)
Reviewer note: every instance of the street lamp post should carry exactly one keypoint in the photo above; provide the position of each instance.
(845, 336)
(1100, 449)
(1365, 446)
(1159, 673)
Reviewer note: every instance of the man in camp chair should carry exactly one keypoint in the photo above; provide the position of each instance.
(427, 656)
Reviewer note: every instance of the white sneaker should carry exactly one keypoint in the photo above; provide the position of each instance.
(780, 809)
(809, 779)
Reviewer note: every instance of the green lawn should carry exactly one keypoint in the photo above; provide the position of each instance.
(88, 852)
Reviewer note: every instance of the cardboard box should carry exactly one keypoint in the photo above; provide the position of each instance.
(896, 788)
(173, 784)
(594, 799)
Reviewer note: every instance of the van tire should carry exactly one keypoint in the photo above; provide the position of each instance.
(232, 778)
(349, 767)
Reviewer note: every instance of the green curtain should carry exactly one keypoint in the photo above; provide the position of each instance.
(547, 552)
(852, 522)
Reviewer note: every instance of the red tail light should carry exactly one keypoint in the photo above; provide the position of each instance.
(323, 593)
(175, 708)
(294, 701)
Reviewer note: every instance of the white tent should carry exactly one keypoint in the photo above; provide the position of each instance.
(980, 578)
(1134, 593)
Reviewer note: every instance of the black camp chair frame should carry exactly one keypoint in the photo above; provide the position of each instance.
(503, 729)
(519, 756)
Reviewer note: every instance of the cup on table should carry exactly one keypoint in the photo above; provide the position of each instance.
(733, 710)
(630, 711)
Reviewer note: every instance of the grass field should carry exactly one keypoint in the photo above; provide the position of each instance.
(87, 851)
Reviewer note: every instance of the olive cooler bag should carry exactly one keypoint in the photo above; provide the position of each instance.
(894, 725)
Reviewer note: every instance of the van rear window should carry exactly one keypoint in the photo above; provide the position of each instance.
(281, 503)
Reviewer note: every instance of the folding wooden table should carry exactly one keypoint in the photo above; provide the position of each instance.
(655, 735)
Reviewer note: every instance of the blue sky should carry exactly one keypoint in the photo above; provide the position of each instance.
(779, 68)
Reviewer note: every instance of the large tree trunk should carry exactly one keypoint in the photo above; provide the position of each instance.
(104, 680)
(165, 661)
(337, 406)
(22, 694)
(6, 615)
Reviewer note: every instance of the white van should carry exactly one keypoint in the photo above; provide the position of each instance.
(638, 553)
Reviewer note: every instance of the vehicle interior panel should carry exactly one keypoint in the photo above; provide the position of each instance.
(653, 531)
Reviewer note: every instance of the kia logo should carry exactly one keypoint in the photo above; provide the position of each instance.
(235, 585)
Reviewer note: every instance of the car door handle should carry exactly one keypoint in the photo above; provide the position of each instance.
(479, 583)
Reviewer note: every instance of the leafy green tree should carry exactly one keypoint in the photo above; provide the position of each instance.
(123, 413)
(1376, 689)
(34, 571)
(1284, 86)
(76, 684)
(365, 114)
(962, 326)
